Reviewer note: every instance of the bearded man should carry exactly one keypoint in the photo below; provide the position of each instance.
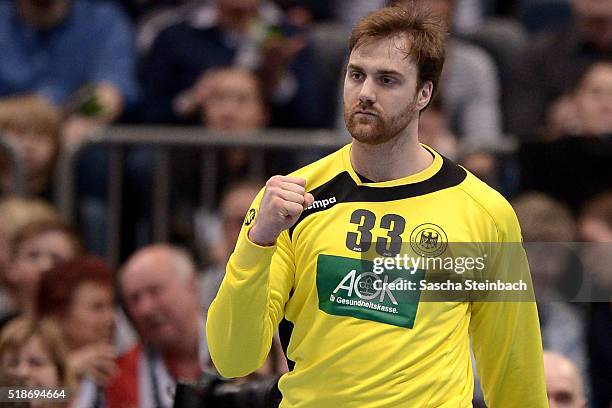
(317, 249)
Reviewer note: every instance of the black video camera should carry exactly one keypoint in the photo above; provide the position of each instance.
(214, 391)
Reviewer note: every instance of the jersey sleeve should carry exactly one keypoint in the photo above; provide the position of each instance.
(505, 334)
(250, 303)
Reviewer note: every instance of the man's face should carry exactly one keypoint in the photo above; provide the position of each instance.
(563, 384)
(380, 91)
(158, 300)
(234, 103)
(594, 100)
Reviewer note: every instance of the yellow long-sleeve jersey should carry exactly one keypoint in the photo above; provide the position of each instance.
(351, 343)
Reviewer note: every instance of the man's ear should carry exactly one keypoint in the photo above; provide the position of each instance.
(424, 95)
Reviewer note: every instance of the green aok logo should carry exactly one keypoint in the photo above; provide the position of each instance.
(367, 286)
(348, 287)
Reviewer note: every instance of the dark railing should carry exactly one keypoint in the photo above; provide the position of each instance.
(164, 138)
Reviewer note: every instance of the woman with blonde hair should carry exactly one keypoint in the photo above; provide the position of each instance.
(33, 354)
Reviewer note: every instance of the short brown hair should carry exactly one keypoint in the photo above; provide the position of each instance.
(425, 33)
(58, 285)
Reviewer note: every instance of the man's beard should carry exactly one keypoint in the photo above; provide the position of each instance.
(377, 129)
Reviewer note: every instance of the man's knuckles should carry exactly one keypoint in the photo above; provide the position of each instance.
(294, 209)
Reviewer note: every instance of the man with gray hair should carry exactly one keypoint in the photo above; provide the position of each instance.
(564, 384)
(159, 289)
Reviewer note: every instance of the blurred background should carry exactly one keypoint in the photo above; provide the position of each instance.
(134, 135)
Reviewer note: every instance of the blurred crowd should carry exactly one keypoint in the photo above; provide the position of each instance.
(525, 103)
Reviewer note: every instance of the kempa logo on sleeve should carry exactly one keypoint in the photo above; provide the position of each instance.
(324, 203)
(348, 287)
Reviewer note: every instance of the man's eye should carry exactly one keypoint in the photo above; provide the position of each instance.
(33, 254)
(387, 80)
(356, 75)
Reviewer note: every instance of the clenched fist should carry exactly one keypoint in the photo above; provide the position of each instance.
(284, 200)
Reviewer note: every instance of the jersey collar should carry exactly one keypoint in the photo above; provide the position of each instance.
(422, 175)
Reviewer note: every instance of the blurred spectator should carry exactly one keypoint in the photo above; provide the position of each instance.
(137, 9)
(35, 248)
(574, 164)
(571, 169)
(548, 230)
(79, 296)
(542, 15)
(156, 19)
(234, 206)
(587, 109)
(34, 355)
(484, 165)
(77, 54)
(545, 220)
(554, 59)
(470, 94)
(160, 293)
(434, 130)
(470, 14)
(596, 219)
(231, 100)
(467, 16)
(228, 100)
(15, 213)
(31, 125)
(236, 35)
(308, 10)
(563, 382)
(503, 39)
(159, 289)
(596, 228)
(349, 12)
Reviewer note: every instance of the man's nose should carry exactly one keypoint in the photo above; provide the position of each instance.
(45, 262)
(146, 306)
(367, 94)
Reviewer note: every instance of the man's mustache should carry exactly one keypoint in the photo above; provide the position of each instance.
(361, 108)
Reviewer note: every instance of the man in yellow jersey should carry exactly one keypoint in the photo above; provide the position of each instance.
(298, 262)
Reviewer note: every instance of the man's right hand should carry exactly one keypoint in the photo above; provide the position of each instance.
(284, 200)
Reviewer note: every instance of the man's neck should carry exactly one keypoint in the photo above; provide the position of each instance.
(183, 367)
(400, 157)
(183, 360)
